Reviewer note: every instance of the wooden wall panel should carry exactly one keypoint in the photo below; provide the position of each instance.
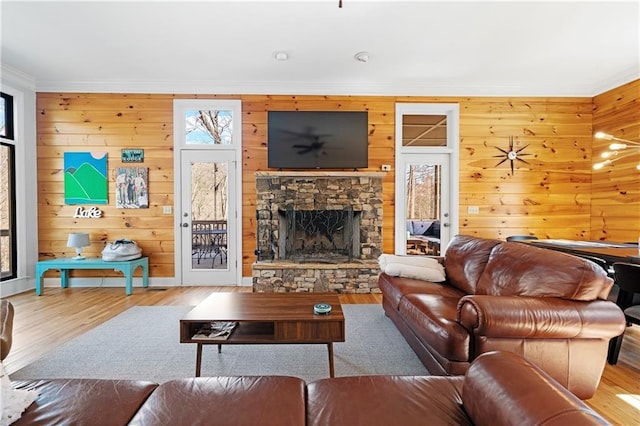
(549, 197)
(106, 123)
(615, 207)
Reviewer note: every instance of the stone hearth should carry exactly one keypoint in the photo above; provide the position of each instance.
(318, 231)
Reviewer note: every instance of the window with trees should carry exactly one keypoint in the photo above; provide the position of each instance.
(423, 191)
(8, 249)
(208, 127)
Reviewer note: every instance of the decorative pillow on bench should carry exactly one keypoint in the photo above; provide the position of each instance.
(434, 230)
(420, 227)
(418, 267)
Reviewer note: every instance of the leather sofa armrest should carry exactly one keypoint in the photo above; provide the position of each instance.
(502, 388)
(539, 317)
(6, 328)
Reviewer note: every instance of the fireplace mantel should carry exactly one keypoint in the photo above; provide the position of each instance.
(317, 173)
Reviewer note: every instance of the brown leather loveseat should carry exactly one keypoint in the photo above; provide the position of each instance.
(546, 306)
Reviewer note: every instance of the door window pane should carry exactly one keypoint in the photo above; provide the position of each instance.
(208, 127)
(209, 207)
(424, 189)
(424, 130)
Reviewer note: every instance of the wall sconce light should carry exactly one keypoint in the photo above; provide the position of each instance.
(78, 240)
(617, 145)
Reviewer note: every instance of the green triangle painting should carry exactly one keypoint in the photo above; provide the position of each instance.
(85, 178)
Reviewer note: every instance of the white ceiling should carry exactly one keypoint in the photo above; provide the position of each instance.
(473, 48)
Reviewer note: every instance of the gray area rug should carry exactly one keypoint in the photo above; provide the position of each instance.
(143, 343)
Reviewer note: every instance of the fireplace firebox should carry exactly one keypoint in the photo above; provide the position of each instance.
(331, 236)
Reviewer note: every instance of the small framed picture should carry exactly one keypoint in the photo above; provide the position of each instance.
(132, 155)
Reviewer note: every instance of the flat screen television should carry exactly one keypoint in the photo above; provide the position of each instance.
(317, 139)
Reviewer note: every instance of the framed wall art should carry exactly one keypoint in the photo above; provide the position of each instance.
(85, 178)
(132, 155)
(131, 187)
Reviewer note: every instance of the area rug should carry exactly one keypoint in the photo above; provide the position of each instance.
(143, 343)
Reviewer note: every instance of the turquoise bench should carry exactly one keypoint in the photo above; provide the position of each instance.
(127, 267)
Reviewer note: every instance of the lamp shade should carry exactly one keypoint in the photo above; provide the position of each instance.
(78, 240)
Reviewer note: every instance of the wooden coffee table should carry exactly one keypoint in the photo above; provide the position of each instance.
(267, 318)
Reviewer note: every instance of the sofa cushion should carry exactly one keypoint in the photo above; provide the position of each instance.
(248, 400)
(394, 288)
(465, 260)
(433, 319)
(420, 227)
(516, 269)
(434, 230)
(409, 224)
(386, 400)
(83, 401)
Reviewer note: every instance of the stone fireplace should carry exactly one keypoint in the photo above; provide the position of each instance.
(318, 231)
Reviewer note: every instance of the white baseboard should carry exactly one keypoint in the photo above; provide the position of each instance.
(17, 286)
(20, 285)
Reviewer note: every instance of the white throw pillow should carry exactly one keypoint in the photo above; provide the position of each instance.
(13, 401)
(424, 261)
(433, 274)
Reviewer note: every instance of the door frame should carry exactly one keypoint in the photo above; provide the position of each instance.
(179, 145)
(408, 155)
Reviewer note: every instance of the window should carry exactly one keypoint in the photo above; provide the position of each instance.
(424, 130)
(206, 127)
(8, 249)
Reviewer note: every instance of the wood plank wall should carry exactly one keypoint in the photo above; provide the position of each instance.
(549, 197)
(615, 193)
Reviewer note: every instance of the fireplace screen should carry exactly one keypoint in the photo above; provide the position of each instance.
(319, 235)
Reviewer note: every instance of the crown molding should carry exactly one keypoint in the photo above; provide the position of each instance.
(16, 77)
(623, 77)
(312, 88)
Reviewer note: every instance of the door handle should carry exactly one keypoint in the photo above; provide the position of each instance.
(446, 225)
(185, 225)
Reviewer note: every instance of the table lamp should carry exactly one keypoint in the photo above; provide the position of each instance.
(78, 240)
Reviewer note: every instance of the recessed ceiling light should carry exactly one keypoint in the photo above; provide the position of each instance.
(362, 56)
(281, 56)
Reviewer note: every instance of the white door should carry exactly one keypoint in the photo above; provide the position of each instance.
(208, 167)
(426, 177)
(208, 238)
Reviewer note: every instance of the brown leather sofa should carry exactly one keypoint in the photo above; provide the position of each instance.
(6, 328)
(548, 307)
(499, 388)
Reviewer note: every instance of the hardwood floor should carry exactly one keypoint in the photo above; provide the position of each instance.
(44, 322)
